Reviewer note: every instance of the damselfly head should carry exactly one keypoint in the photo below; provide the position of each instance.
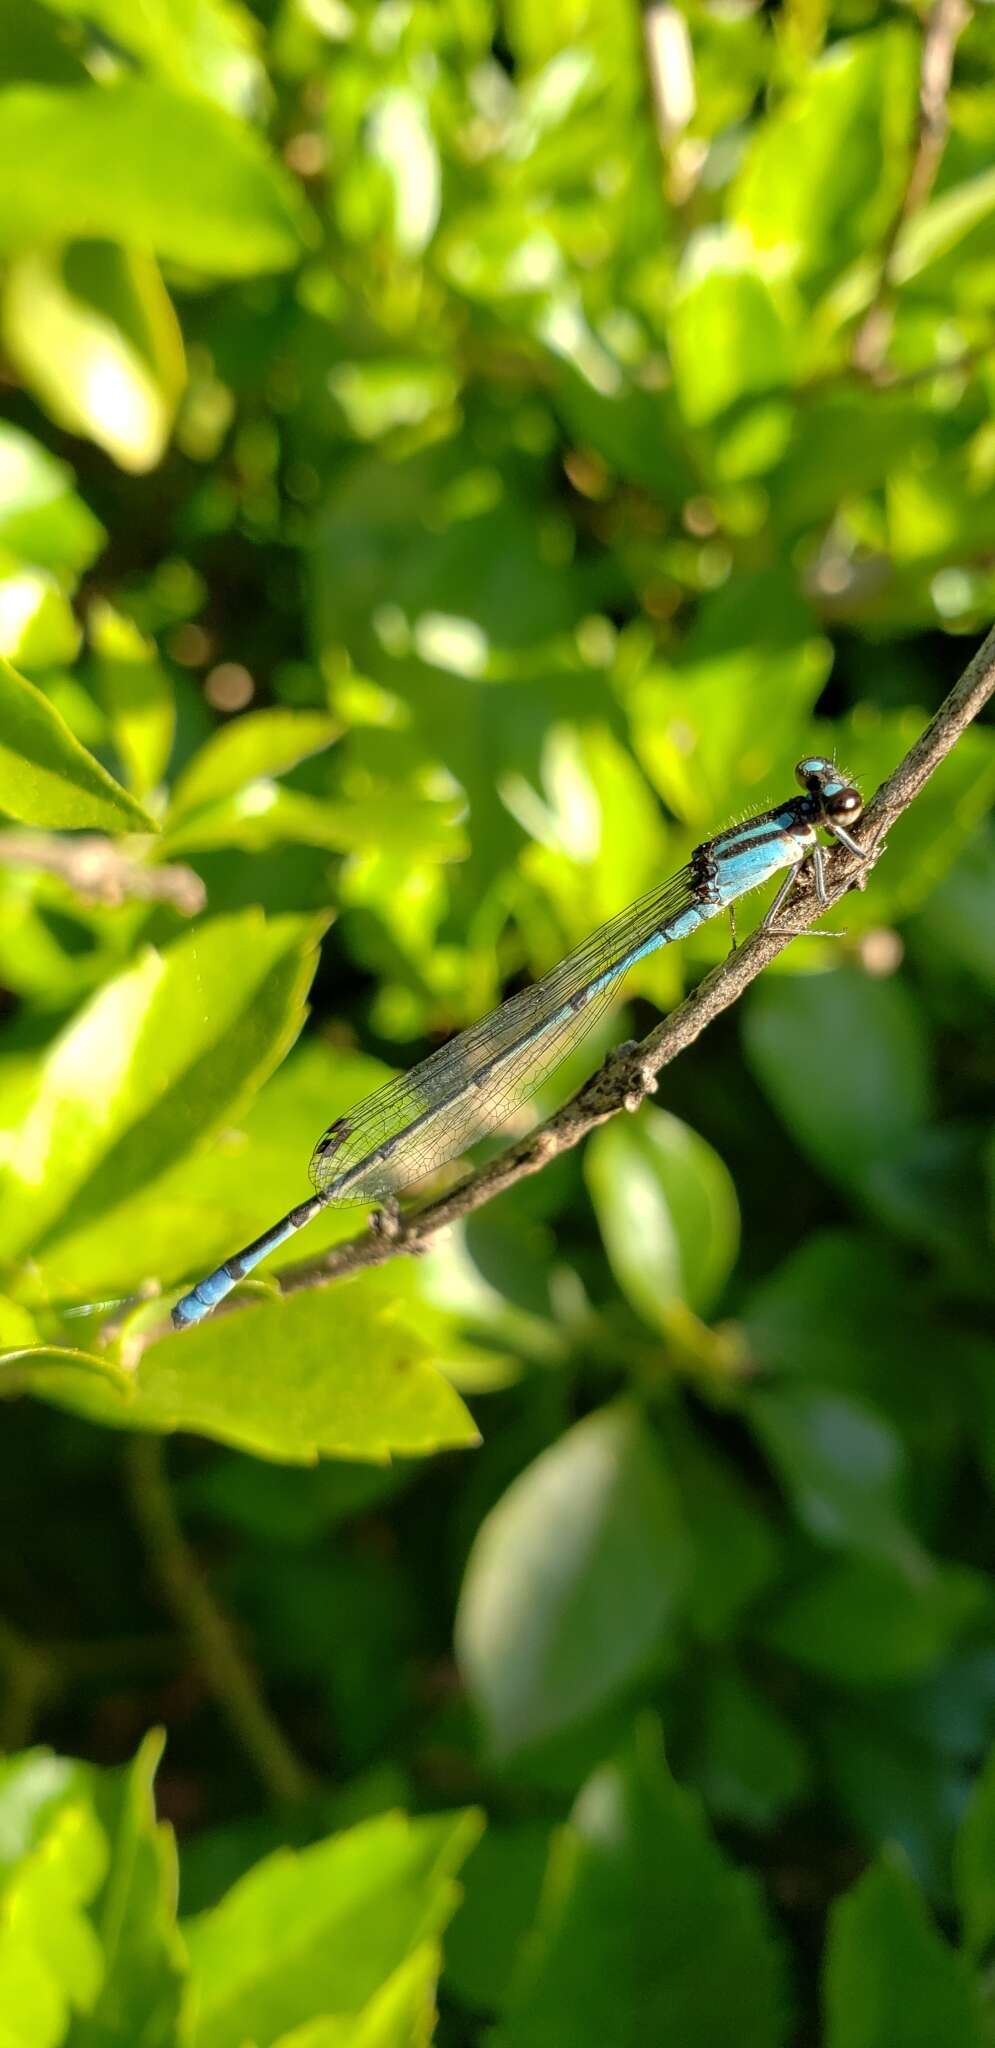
(839, 801)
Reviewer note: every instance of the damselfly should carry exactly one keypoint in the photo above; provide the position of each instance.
(416, 1123)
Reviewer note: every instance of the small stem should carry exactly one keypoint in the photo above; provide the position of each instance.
(226, 1673)
(100, 872)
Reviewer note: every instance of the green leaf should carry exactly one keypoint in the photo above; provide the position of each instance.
(87, 1905)
(645, 1932)
(401, 2014)
(37, 623)
(863, 1621)
(974, 1864)
(46, 777)
(501, 1885)
(264, 814)
(667, 1212)
(137, 163)
(337, 1373)
(746, 1759)
(41, 517)
(136, 693)
(206, 46)
(843, 1058)
(546, 1632)
(728, 339)
(178, 1040)
(946, 249)
(823, 174)
(891, 1981)
(93, 334)
(320, 1931)
(261, 743)
(841, 1464)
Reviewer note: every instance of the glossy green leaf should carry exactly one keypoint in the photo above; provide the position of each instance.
(843, 1058)
(41, 517)
(891, 1981)
(320, 1930)
(667, 1212)
(343, 1373)
(547, 1634)
(644, 1929)
(46, 777)
(974, 1865)
(140, 164)
(946, 248)
(93, 334)
(177, 1041)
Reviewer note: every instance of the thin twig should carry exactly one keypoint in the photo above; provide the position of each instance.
(225, 1671)
(101, 872)
(947, 22)
(629, 1073)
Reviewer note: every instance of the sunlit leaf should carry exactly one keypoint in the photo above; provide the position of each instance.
(155, 1061)
(343, 1374)
(46, 777)
(320, 1930)
(41, 517)
(93, 334)
(145, 166)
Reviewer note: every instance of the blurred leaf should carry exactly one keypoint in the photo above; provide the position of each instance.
(946, 248)
(260, 743)
(87, 1904)
(206, 46)
(547, 1633)
(93, 334)
(139, 164)
(401, 2014)
(974, 1865)
(319, 1375)
(727, 336)
(321, 1930)
(844, 1059)
(41, 517)
(136, 693)
(264, 814)
(667, 1212)
(746, 1759)
(501, 1892)
(644, 1930)
(734, 1553)
(841, 1465)
(150, 1066)
(37, 623)
(823, 175)
(865, 1622)
(891, 1981)
(46, 777)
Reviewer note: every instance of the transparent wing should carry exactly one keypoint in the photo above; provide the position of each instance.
(418, 1122)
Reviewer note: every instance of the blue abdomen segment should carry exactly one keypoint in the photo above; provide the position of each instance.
(206, 1295)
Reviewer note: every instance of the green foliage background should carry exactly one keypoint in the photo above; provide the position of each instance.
(448, 470)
